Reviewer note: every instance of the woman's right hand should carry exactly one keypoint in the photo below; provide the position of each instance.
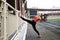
(19, 15)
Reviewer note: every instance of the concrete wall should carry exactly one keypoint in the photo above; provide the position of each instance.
(11, 23)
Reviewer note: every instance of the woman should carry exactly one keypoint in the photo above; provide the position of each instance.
(32, 22)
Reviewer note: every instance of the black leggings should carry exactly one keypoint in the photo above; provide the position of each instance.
(32, 23)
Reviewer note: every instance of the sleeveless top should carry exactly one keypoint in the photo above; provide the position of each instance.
(35, 19)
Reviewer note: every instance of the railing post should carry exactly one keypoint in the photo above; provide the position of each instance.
(4, 13)
(16, 14)
(17, 21)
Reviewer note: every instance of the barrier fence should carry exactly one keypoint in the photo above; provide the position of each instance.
(9, 22)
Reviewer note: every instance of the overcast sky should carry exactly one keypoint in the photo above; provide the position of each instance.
(43, 4)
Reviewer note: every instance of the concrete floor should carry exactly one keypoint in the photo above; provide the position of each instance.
(46, 33)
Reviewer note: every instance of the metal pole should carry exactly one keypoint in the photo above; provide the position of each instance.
(16, 14)
(5, 21)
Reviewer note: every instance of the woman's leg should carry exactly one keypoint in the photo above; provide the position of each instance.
(33, 25)
(29, 21)
(35, 29)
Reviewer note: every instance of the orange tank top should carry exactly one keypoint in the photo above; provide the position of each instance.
(35, 18)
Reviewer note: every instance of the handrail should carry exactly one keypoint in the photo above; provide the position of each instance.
(16, 31)
(12, 34)
(10, 5)
(20, 25)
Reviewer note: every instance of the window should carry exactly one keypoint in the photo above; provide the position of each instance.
(11, 2)
(33, 12)
(18, 4)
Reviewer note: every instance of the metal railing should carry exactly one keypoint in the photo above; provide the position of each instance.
(9, 21)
